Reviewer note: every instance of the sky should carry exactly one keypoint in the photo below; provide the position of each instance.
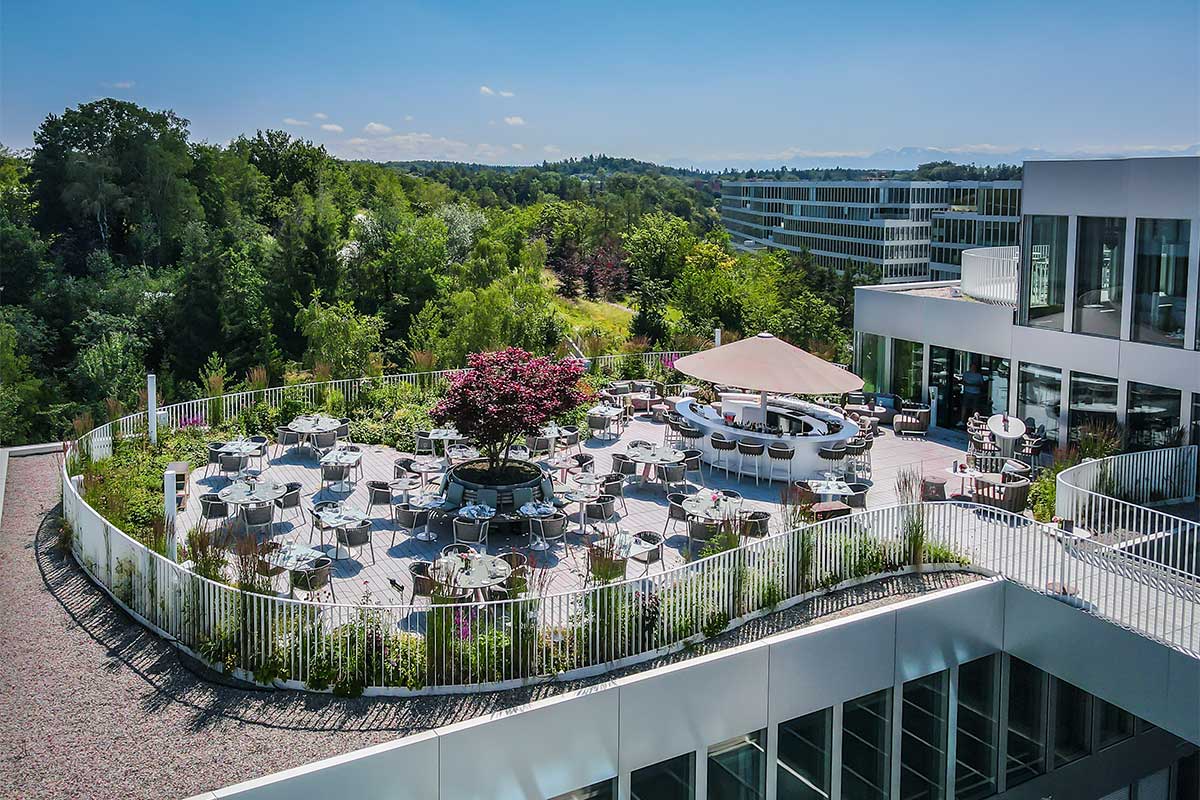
(688, 83)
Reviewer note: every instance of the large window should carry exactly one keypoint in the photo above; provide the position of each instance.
(1072, 723)
(1026, 722)
(1152, 416)
(737, 768)
(1044, 273)
(867, 747)
(1093, 403)
(1115, 724)
(673, 779)
(1039, 398)
(804, 753)
(923, 743)
(870, 361)
(978, 732)
(1100, 256)
(1160, 281)
(907, 360)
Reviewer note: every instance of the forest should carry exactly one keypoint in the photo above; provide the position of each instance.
(127, 246)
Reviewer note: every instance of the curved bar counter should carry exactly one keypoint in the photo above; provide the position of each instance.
(809, 423)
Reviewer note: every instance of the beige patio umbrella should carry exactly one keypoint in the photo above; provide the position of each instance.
(764, 363)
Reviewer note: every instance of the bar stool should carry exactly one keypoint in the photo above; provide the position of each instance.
(690, 437)
(722, 447)
(754, 449)
(777, 452)
(834, 457)
(855, 452)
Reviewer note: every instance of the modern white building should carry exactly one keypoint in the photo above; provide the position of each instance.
(1092, 318)
(904, 229)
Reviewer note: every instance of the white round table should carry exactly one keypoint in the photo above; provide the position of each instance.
(1006, 436)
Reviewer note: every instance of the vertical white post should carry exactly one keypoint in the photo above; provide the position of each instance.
(152, 408)
(717, 337)
(169, 513)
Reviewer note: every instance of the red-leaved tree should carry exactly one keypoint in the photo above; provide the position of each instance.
(506, 395)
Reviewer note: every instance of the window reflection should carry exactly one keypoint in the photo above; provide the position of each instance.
(1026, 722)
(1093, 403)
(737, 768)
(673, 779)
(906, 369)
(1152, 416)
(1099, 262)
(1039, 399)
(1044, 278)
(1072, 723)
(804, 757)
(1160, 281)
(866, 747)
(870, 361)
(978, 733)
(923, 739)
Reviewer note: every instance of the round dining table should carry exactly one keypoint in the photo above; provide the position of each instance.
(702, 504)
(309, 424)
(339, 517)
(476, 572)
(537, 510)
(445, 436)
(651, 457)
(1007, 431)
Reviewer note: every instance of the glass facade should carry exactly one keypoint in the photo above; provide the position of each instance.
(871, 362)
(967, 383)
(1039, 398)
(1115, 724)
(604, 790)
(673, 779)
(1160, 281)
(977, 744)
(924, 727)
(737, 768)
(907, 360)
(1026, 722)
(805, 747)
(1072, 723)
(1093, 402)
(1152, 416)
(1044, 273)
(1099, 270)
(867, 747)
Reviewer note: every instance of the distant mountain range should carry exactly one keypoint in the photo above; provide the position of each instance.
(904, 158)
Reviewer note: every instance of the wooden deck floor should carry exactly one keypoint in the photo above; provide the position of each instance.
(566, 562)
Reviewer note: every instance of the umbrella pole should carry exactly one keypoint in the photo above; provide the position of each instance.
(762, 404)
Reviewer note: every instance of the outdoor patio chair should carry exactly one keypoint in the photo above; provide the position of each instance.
(521, 495)
(598, 425)
(323, 442)
(912, 421)
(312, 578)
(755, 524)
(781, 455)
(422, 577)
(614, 484)
(423, 445)
(752, 449)
(378, 493)
(723, 449)
(833, 458)
(343, 429)
(514, 559)
(353, 448)
(286, 438)
(670, 475)
(692, 465)
(551, 528)
(655, 540)
(570, 438)
(675, 511)
(731, 494)
(671, 431)
(602, 510)
(265, 568)
(290, 498)
(802, 494)
(638, 444)
(257, 516)
(458, 549)
(263, 443)
(690, 437)
(471, 531)
(856, 451)
(213, 507)
(584, 462)
(233, 465)
(407, 519)
(214, 456)
(333, 473)
(357, 536)
(701, 529)
(1011, 496)
(603, 566)
(318, 526)
(933, 488)
(858, 495)
(623, 465)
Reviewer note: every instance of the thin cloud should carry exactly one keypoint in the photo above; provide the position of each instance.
(376, 128)
(518, 147)
(507, 94)
(321, 115)
(552, 149)
(487, 91)
(119, 85)
(357, 140)
(408, 117)
(514, 120)
(294, 121)
(408, 146)
(329, 126)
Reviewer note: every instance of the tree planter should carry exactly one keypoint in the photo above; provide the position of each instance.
(472, 476)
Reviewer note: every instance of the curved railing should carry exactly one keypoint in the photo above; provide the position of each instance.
(1113, 499)
(475, 646)
(989, 274)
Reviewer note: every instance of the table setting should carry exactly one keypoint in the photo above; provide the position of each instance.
(712, 505)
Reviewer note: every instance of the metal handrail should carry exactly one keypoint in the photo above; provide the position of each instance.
(989, 274)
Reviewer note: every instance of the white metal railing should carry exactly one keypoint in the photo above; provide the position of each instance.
(469, 646)
(989, 274)
(1113, 498)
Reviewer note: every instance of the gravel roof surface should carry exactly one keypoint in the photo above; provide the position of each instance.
(93, 706)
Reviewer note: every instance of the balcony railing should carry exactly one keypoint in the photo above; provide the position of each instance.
(989, 274)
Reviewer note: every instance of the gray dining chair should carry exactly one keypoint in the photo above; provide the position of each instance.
(379, 493)
(263, 443)
(552, 527)
(312, 578)
(471, 531)
(258, 516)
(286, 438)
(290, 498)
(602, 510)
(358, 535)
(407, 519)
(212, 507)
(232, 465)
(333, 473)
(318, 525)
(324, 442)
(214, 456)
(670, 475)
(675, 511)
(614, 484)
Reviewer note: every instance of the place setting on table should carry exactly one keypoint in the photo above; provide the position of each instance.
(476, 572)
(292, 556)
(252, 489)
(832, 487)
(588, 491)
(476, 512)
(652, 456)
(241, 447)
(405, 484)
(340, 516)
(444, 435)
(342, 457)
(425, 467)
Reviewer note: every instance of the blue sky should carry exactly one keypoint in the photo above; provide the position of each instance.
(680, 82)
